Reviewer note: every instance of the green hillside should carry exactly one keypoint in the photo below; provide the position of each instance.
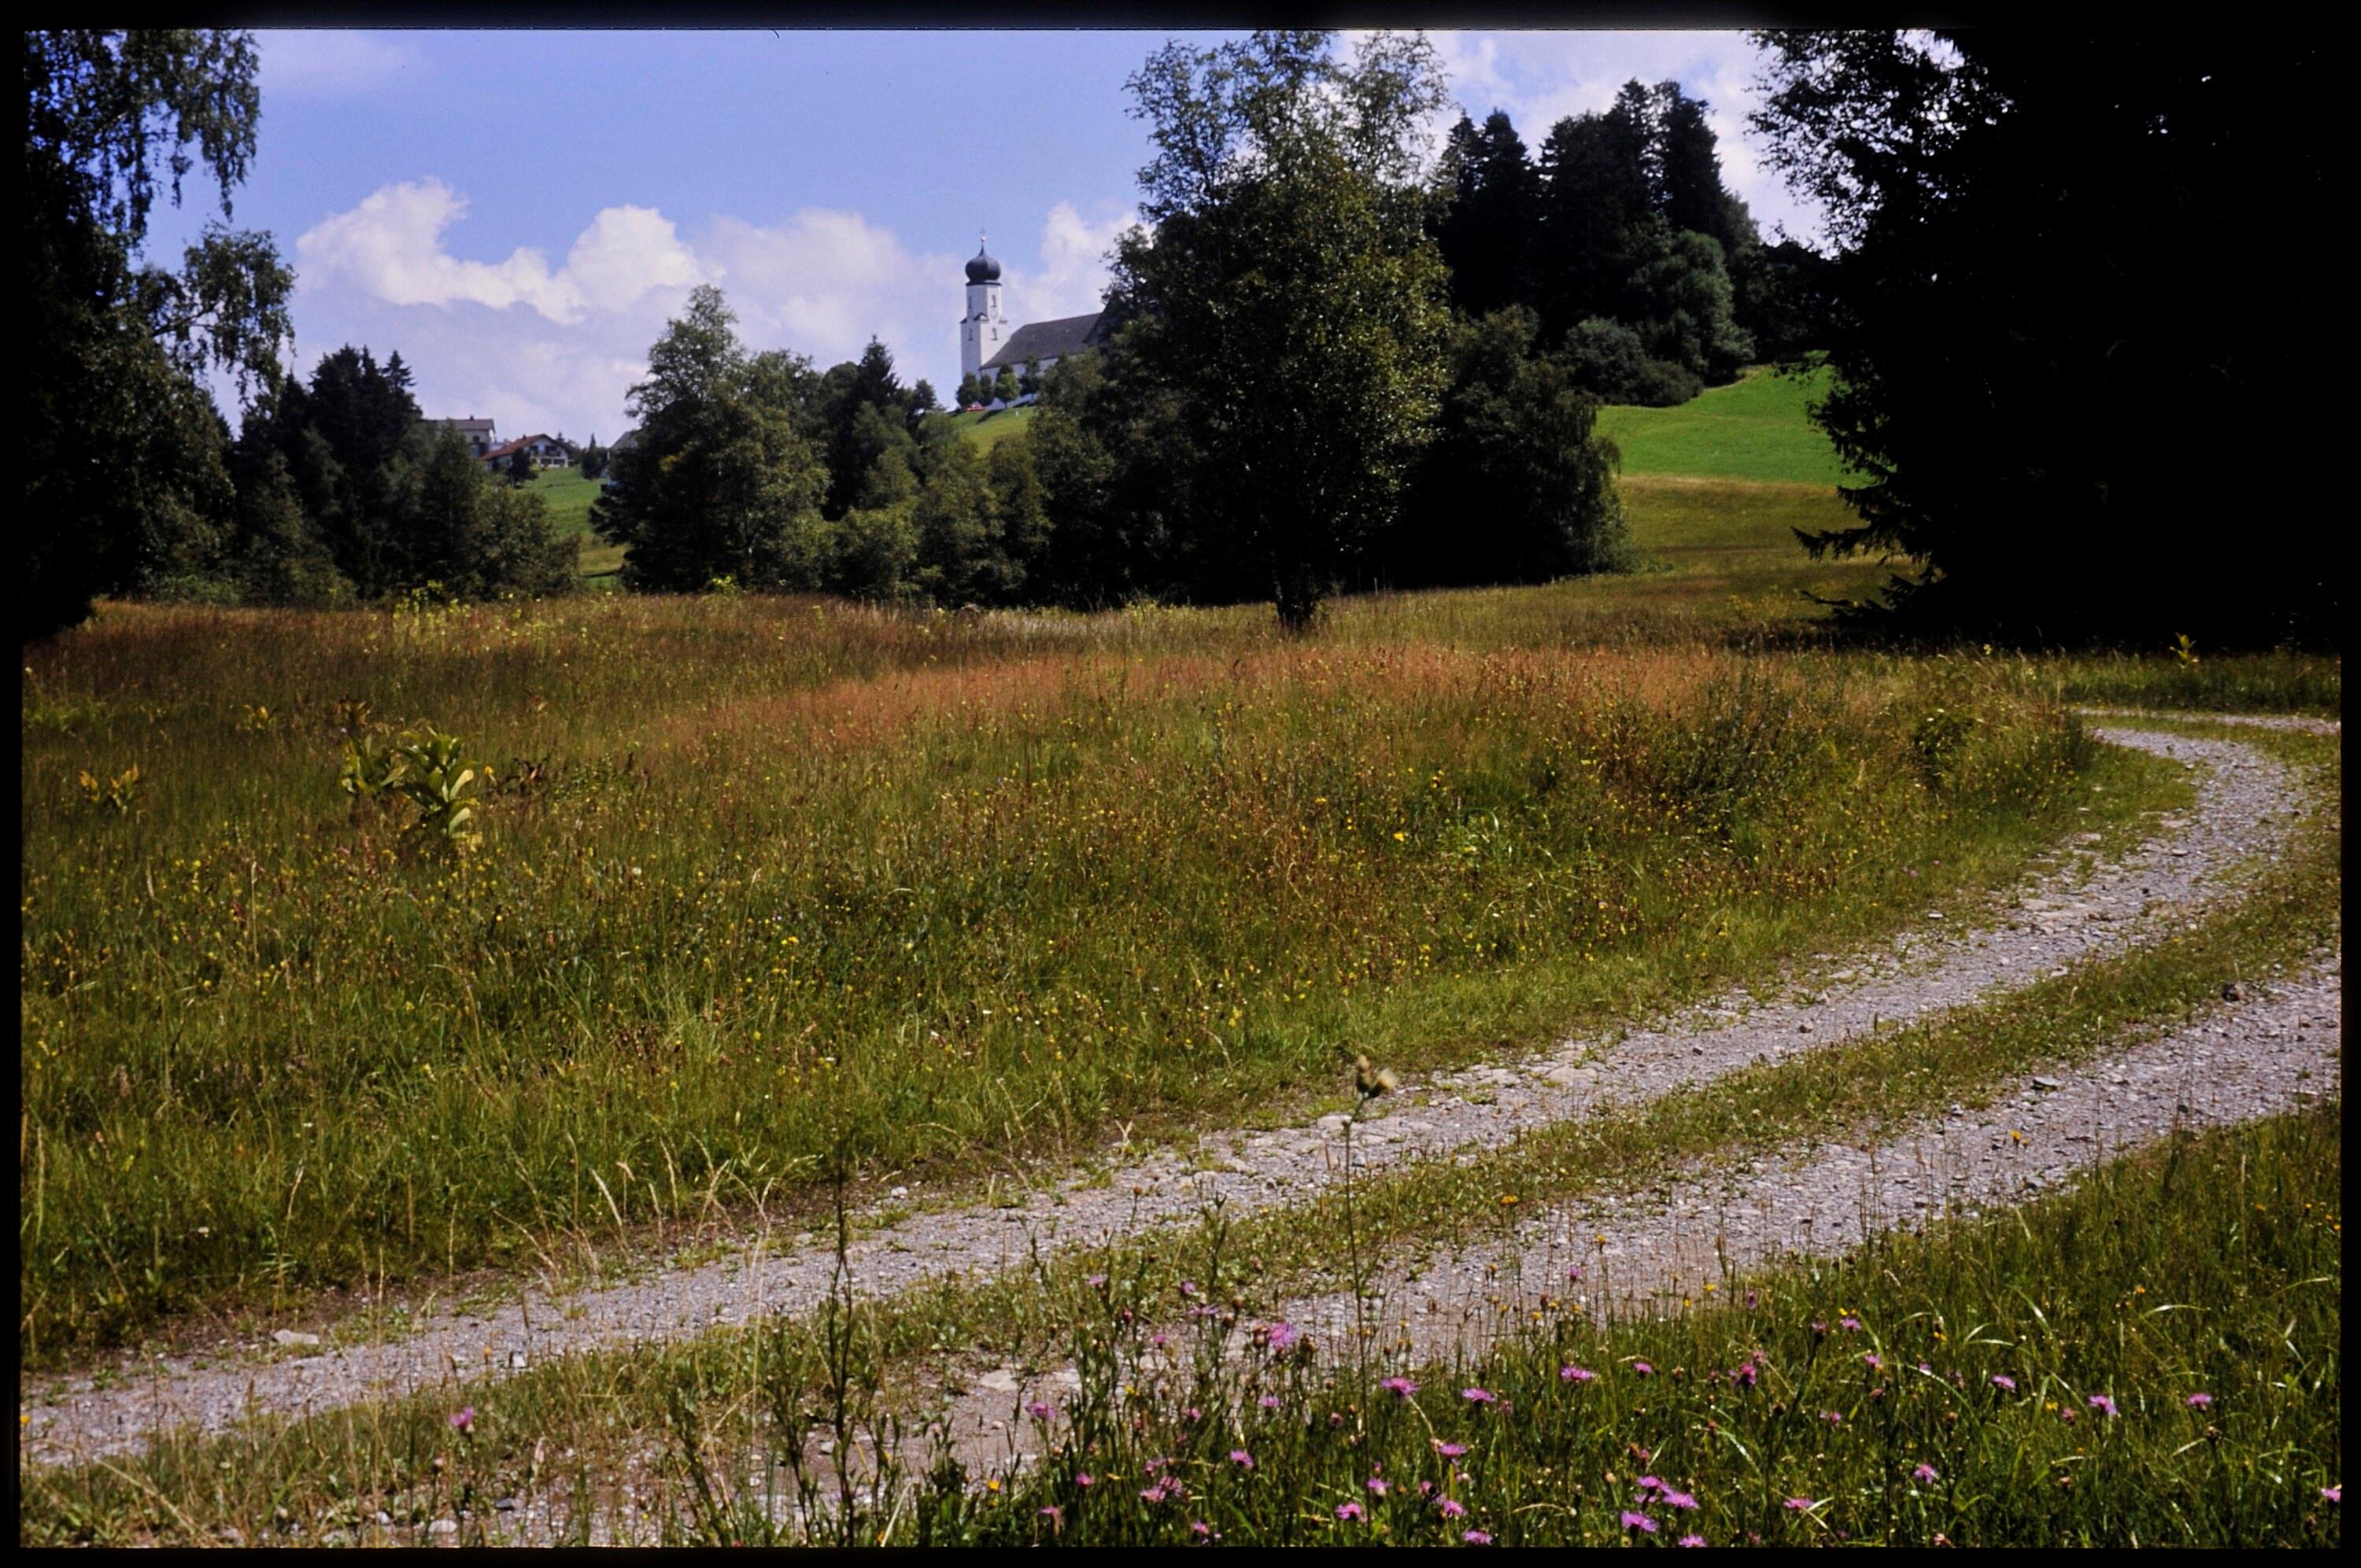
(568, 497)
(986, 430)
(1755, 429)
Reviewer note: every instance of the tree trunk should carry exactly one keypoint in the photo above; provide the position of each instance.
(1296, 596)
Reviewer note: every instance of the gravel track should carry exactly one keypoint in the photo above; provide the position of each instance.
(2245, 808)
(1653, 1251)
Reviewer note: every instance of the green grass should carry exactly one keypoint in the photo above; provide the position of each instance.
(2282, 682)
(1753, 430)
(594, 1410)
(788, 871)
(988, 430)
(567, 496)
(1803, 1411)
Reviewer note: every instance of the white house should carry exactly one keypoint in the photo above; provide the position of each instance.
(478, 433)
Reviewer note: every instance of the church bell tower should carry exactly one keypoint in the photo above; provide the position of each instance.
(983, 329)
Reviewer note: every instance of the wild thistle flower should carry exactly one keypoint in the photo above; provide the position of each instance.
(1801, 1504)
(1639, 1522)
(1480, 1395)
(1451, 1508)
(1478, 1538)
(1577, 1375)
(1037, 1411)
(1399, 1388)
(463, 1421)
(2198, 1401)
(1242, 1459)
(2004, 1382)
(1691, 1541)
(1349, 1511)
(2102, 1403)
(1923, 1474)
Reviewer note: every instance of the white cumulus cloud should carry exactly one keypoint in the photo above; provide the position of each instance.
(539, 347)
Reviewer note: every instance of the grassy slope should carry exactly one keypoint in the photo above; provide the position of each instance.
(1753, 430)
(987, 430)
(568, 497)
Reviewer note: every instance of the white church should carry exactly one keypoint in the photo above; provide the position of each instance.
(986, 343)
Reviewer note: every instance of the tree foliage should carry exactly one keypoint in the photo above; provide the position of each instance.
(1287, 293)
(122, 451)
(723, 482)
(2040, 333)
(1517, 485)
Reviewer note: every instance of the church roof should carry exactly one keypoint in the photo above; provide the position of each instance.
(1048, 340)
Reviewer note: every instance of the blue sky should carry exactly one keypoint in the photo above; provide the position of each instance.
(519, 212)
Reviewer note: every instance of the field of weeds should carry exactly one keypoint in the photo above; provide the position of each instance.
(2151, 1359)
(757, 880)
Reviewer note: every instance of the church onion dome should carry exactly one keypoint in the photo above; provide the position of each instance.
(983, 269)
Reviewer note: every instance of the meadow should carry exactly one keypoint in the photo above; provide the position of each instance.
(762, 878)
(2149, 1359)
(753, 888)
(1753, 430)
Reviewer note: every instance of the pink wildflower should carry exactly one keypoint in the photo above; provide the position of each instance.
(1643, 1369)
(1399, 1388)
(2004, 1382)
(1575, 1374)
(1692, 1541)
(1452, 1508)
(1478, 1538)
(1450, 1450)
(1802, 1505)
(1349, 1511)
(463, 1421)
(1480, 1395)
(2100, 1403)
(1037, 1411)
(1923, 1474)
(1639, 1522)
(2200, 1401)
(1242, 1459)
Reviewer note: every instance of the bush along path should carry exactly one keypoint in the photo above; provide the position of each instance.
(2245, 808)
